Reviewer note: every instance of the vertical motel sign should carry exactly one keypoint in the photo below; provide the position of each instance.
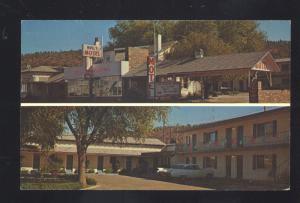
(151, 76)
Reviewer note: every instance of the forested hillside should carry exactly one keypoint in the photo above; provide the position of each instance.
(63, 58)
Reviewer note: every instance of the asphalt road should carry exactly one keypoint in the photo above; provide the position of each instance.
(119, 182)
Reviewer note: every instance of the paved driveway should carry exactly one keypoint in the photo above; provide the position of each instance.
(119, 182)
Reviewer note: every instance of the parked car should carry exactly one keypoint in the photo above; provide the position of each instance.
(163, 172)
(186, 171)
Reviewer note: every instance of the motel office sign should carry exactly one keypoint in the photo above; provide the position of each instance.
(91, 51)
(151, 76)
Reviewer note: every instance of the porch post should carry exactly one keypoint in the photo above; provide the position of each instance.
(271, 79)
(249, 78)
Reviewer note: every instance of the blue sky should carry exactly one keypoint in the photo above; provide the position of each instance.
(56, 35)
(204, 114)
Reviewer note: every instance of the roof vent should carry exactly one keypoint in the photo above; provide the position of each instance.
(199, 53)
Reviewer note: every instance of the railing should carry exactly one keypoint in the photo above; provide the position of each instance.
(281, 138)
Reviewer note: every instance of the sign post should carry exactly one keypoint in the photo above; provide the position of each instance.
(89, 52)
(151, 71)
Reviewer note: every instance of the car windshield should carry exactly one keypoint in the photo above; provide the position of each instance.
(178, 166)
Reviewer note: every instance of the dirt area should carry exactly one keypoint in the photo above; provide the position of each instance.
(242, 97)
(119, 182)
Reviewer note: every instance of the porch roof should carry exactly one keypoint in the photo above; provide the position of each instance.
(112, 150)
(210, 63)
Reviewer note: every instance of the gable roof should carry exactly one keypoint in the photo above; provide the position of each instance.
(209, 63)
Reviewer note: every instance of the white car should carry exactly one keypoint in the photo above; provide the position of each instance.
(188, 171)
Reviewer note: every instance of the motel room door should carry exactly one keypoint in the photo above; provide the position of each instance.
(239, 166)
(100, 163)
(36, 161)
(228, 166)
(69, 162)
(128, 163)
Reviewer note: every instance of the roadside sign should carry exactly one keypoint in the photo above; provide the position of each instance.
(151, 76)
(165, 89)
(91, 51)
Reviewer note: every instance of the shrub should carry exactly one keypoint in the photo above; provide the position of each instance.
(90, 171)
(24, 172)
(91, 181)
(108, 170)
(55, 163)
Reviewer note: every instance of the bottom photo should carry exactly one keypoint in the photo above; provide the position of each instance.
(155, 148)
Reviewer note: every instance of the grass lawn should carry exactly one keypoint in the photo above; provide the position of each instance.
(50, 186)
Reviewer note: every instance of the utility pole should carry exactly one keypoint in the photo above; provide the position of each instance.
(155, 55)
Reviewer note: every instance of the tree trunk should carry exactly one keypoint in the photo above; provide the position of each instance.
(81, 168)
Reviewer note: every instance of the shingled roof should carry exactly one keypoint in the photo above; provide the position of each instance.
(209, 63)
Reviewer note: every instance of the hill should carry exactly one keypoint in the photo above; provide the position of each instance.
(62, 58)
(279, 49)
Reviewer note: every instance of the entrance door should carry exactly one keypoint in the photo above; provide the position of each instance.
(128, 163)
(36, 161)
(113, 163)
(194, 141)
(100, 163)
(240, 136)
(228, 166)
(239, 167)
(228, 137)
(241, 85)
(69, 162)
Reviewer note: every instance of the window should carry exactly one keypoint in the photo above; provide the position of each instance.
(108, 86)
(262, 161)
(265, 129)
(78, 87)
(210, 138)
(187, 160)
(210, 162)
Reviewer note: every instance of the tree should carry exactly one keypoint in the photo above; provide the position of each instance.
(139, 32)
(91, 125)
(210, 43)
(40, 125)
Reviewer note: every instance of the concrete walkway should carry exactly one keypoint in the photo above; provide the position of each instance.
(119, 182)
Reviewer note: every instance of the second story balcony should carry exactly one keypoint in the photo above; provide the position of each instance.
(282, 138)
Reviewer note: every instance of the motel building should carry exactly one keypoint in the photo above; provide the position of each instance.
(202, 76)
(252, 147)
(108, 155)
(42, 82)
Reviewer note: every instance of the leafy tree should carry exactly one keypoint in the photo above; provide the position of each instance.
(40, 125)
(194, 41)
(94, 124)
(242, 35)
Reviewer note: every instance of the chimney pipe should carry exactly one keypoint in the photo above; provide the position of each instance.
(199, 53)
(158, 43)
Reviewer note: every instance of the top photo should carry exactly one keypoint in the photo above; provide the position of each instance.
(155, 61)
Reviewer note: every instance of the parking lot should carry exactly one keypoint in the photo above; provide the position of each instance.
(120, 182)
